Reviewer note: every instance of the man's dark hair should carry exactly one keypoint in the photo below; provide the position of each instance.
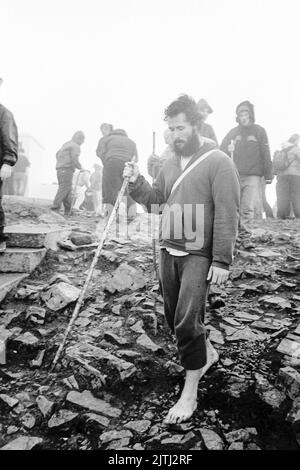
(184, 104)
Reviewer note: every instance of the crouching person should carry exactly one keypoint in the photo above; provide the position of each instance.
(199, 190)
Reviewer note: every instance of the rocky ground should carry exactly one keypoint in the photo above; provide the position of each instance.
(120, 372)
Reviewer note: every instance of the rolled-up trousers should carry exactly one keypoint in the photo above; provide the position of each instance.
(184, 288)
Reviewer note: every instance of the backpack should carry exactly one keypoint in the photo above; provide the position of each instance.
(280, 160)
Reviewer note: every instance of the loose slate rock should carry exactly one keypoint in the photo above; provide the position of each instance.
(290, 348)
(291, 381)
(243, 435)
(23, 443)
(268, 393)
(62, 418)
(276, 301)
(9, 401)
(45, 406)
(125, 277)
(28, 339)
(88, 401)
(28, 421)
(114, 339)
(236, 446)
(109, 436)
(147, 343)
(211, 439)
(97, 420)
(138, 426)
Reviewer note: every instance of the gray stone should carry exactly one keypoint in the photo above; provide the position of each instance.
(62, 418)
(116, 310)
(23, 443)
(45, 406)
(60, 295)
(276, 301)
(114, 339)
(21, 260)
(138, 447)
(173, 368)
(88, 401)
(243, 435)
(138, 426)
(253, 446)
(12, 430)
(215, 335)
(80, 239)
(267, 393)
(125, 277)
(82, 322)
(28, 339)
(290, 348)
(246, 316)
(246, 335)
(38, 361)
(109, 436)
(294, 413)
(176, 439)
(211, 439)
(291, 381)
(9, 281)
(35, 236)
(24, 399)
(52, 218)
(4, 335)
(236, 446)
(9, 401)
(71, 382)
(231, 321)
(87, 351)
(97, 420)
(121, 444)
(138, 327)
(128, 353)
(147, 343)
(28, 421)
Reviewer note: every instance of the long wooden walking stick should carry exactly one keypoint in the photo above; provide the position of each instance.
(89, 276)
(153, 222)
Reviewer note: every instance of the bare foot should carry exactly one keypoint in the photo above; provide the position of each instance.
(182, 411)
(212, 358)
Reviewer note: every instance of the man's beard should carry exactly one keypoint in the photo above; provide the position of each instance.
(190, 147)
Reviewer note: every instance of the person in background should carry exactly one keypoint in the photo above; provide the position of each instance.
(105, 129)
(115, 150)
(96, 189)
(248, 145)
(205, 129)
(8, 158)
(19, 173)
(67, 160)
(288, 180)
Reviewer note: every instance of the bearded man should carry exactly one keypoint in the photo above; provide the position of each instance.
(197, 192)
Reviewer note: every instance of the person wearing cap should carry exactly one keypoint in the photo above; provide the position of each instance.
(67, 160)
(19, 173)
(205, 129)
(8, 158)
(248, 145)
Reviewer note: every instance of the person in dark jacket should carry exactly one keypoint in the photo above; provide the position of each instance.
(197, 193)
(67, 160)
(8, 158)
(205, 129)
(248, 145)
(115, 150)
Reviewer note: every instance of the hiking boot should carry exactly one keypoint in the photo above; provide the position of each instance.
(2, 247)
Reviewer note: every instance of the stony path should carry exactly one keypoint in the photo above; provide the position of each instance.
(120, 371)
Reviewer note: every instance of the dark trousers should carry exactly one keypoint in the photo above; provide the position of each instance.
(64, 192)
(2, 216)
(184, 289)
(288, 195)
(112, 182)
